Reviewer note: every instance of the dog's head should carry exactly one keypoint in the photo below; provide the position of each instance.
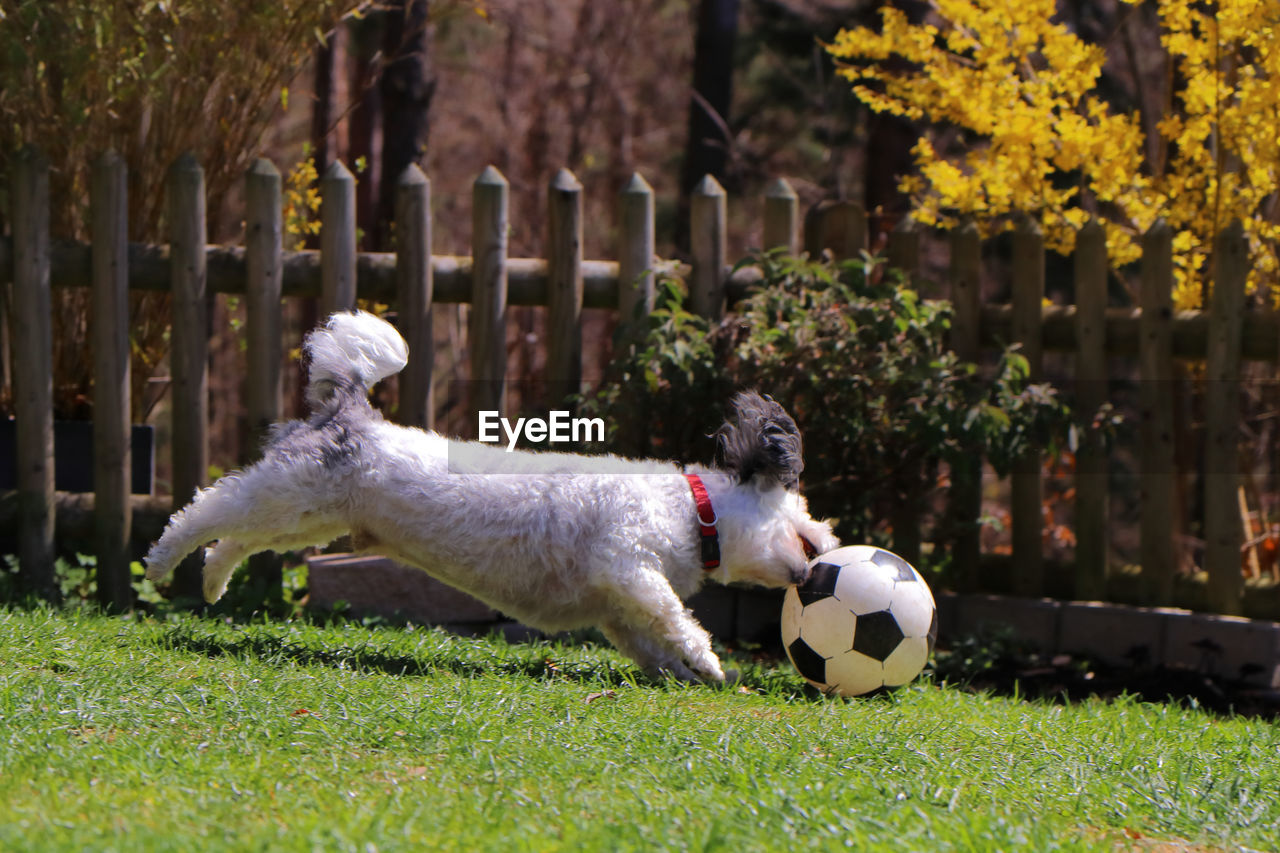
(760, 444)
(765, 519)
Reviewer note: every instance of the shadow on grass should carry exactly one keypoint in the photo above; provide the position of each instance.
(269, 647)
(997, 664)
(539, 661)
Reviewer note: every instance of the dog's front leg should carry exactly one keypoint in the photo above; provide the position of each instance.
(652, 627)
(657, 659)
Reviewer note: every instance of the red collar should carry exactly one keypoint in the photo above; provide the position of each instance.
(706, 523)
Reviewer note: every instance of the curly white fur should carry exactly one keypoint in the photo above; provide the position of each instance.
(556, 540)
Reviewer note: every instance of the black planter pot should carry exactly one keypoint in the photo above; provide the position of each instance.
(73, 456)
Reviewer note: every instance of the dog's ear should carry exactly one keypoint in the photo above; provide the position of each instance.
(761, 443)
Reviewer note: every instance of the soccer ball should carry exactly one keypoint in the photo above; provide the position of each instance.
(865, 619)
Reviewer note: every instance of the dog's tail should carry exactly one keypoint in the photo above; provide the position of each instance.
(352, 349)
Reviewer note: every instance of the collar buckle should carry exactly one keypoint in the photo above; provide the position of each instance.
(706, 529)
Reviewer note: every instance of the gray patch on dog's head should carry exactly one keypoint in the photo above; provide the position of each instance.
(761, 442)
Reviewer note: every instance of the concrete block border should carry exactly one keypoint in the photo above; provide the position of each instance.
(376, 586)
(1224, 646)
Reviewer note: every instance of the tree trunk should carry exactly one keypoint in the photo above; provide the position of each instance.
(407, 86)
(707, 149)
(322, 111)
(888, 152)
(322, 107)
(365, 130)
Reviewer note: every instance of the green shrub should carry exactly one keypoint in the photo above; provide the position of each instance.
(861, 363)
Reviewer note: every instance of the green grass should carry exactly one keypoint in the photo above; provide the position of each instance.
(127, 734)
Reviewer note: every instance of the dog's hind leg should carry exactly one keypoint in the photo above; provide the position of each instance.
(229, 506)
(183, 534)
(219, 562)
(263, 504)
(222, 559)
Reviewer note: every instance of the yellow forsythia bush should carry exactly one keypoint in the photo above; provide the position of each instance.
(1023, 86)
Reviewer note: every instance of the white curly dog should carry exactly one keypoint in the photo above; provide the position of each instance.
(556, 540)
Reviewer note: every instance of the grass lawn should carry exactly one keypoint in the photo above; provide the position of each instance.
(188, 734)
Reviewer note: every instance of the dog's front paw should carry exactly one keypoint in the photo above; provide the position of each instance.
(708, 669)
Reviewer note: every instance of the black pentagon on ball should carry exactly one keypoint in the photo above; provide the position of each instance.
(821, 584)
(809, 663)
(893, 561)
(876, 634)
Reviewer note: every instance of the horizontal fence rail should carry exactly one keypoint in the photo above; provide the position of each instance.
(528, 285)
(414, 279)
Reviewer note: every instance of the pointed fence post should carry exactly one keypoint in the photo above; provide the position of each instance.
(113, 517)
(781, 217)
(32, 343)
(564, 287)
(264, 246)
(966, 474)
(189, 353)
(488, 327)
(837, 226)
(1223, 532)
(1091, 393)
(415, 287)
(708, 245)
(1158, 486)
(337, 240)
(636, 252)
(1027, 495)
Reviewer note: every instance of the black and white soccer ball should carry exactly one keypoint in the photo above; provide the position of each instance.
(864, 620)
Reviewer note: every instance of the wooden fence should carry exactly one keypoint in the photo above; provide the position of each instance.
(415, 280)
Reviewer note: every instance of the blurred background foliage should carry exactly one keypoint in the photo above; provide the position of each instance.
(150, 81)
(747, 90)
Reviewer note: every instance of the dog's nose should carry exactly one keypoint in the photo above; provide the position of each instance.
(800, 575)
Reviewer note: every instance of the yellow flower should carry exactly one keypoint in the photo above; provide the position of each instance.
(1025, 86)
